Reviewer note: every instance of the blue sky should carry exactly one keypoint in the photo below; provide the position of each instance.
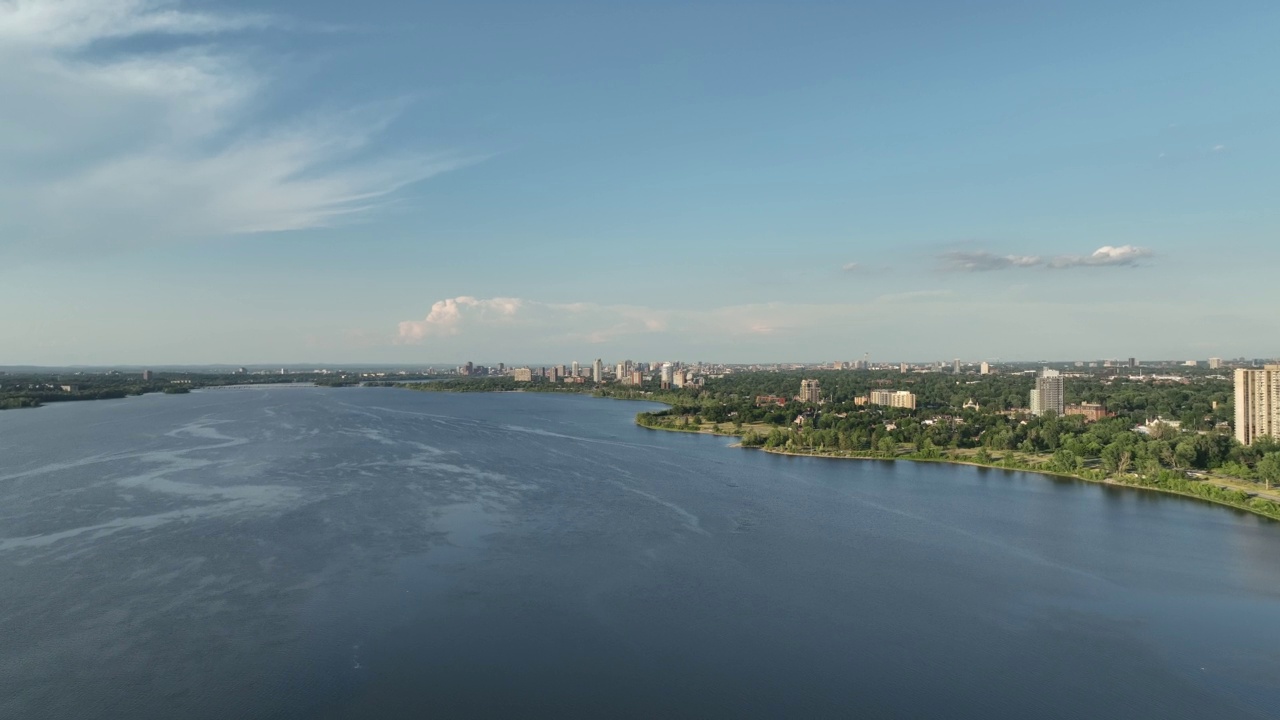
(197, 182)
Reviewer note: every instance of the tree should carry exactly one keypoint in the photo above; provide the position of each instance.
(1269, 468)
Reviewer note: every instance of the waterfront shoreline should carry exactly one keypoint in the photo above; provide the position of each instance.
(1108, 482)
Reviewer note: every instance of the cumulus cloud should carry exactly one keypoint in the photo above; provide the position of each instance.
(1105, 255)
(106, 139)
(467, 321)
(586, 322)
(981, 261)
(447, 316)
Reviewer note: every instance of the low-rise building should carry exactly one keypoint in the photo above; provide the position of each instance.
(893, 398)
(1092, 412)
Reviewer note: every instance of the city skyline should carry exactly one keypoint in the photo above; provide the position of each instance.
(193, 183)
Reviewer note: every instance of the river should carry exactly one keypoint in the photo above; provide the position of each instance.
(378, 552)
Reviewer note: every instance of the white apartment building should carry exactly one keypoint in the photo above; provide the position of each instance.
(1257, 403)
(1047, 394)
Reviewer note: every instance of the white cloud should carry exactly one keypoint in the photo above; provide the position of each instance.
(75, 23)
(446, 316)
(106, 143)
(981, 261)
(1105, 255)
(850, 267)
(466, 321)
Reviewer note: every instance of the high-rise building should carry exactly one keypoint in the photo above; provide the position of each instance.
(665, 377)
(522, 374)
(902, 368)
(985, 368)
(597, 370)
(809, 392)
(893, 398)
(1257, 403)
(1133, 362)
(146, 376)
(679, 378)
(554, 374)
(637, 377)
(1215, 363)
(1047, 394)
(575, 369)
(955, 366)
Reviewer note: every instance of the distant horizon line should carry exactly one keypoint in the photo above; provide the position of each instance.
(447, 365)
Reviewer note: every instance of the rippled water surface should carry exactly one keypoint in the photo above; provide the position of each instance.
(342, 553)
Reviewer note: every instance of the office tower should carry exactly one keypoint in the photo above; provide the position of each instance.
(620, 371)
(955, 366)
(575, 369)
(1133, 362)
(1047, 395)
(666, 376)
(597, 370)
(809, 392)
(1257, 403)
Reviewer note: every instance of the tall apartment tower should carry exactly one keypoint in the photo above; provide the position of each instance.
(955, 366)
(597, 370)
(985, 368)
(1215, 363)
(1257, 403)
(1047, 395)
(809, 392)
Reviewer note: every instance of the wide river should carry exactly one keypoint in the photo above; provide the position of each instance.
(370, 553)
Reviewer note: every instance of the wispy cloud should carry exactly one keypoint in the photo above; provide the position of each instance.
(851, 267)
(104, 140)
(981, 261)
